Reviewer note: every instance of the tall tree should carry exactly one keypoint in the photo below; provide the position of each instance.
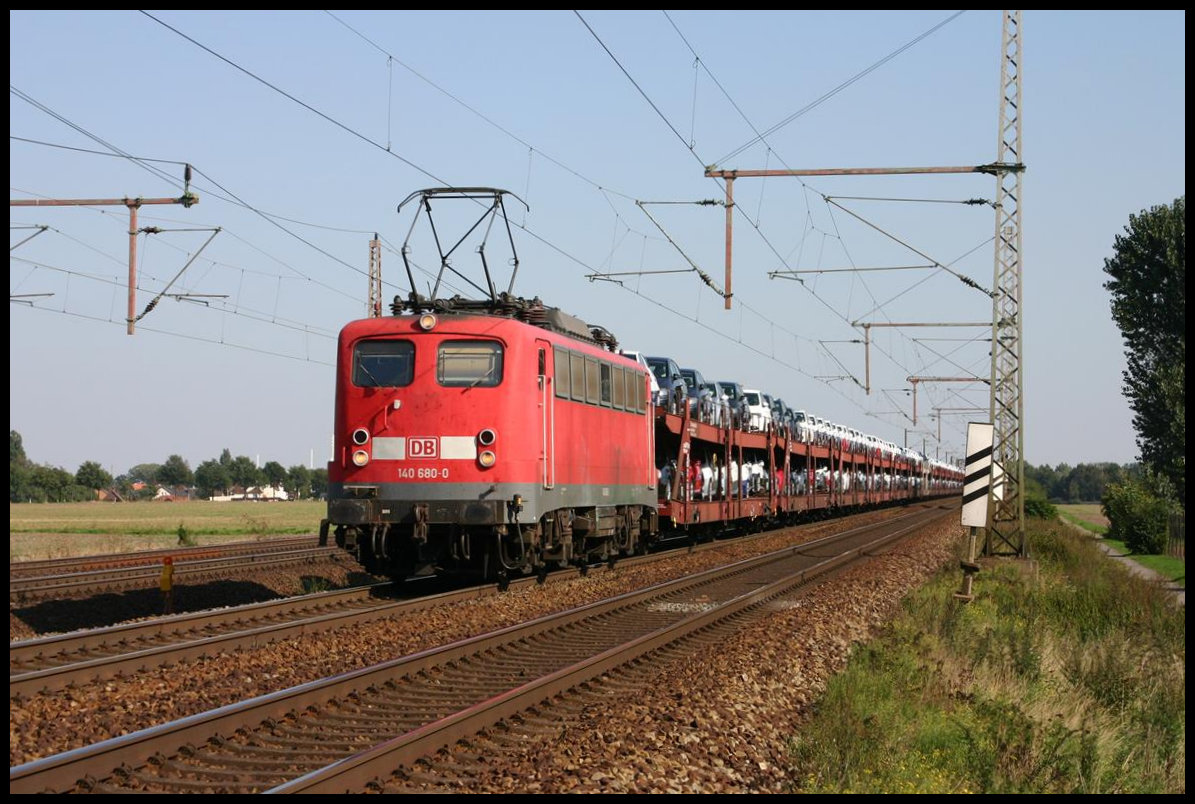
(244, 472)
(1148, 273)
(93, 476)
(275, 473)
(176, 472)
(18, 469)
(145, 472)
(211, 477)
(319, 482)
(298, 481)
(16, 449)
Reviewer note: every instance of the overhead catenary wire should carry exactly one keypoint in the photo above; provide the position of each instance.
(240, 310)
(171, 180)
(40, 230)
(123, 218)
(221, 342)
(965, 202)
(761, 138)
(530, 232)
(368, 140)
(478, 113)
(966, 280)
(753, 223)
(825, 97)
(154, 301)
(176, 162)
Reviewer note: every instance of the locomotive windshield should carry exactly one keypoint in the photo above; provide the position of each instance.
(383, 364)
(469, 363)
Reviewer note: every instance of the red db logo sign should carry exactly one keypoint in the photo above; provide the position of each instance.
(422, 448)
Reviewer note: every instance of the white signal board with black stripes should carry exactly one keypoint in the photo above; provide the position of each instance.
(978, 471)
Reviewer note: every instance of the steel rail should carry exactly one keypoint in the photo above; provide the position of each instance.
(46, 664)
(98, 760)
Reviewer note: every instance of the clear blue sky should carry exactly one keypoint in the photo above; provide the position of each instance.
(531, 102)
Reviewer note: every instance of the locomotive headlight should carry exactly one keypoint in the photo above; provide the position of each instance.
(360, 436)
(360, 457)
(487, 437)
(427, 322)
(487, 458)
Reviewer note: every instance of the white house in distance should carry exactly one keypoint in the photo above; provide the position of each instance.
(255, 493)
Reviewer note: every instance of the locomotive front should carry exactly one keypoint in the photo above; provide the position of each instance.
(434, 452)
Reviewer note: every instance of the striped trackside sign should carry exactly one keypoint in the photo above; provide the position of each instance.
(978, 474)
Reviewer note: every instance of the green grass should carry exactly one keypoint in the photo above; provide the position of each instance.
(197, 516)
(1173, 569)
(56, 530)
(1065, 675)
(1093, 527)
(1092, 512)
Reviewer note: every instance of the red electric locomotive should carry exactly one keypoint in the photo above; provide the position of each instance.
(475, 441)
(501, 436)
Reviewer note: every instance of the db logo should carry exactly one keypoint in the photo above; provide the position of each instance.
(422, 448)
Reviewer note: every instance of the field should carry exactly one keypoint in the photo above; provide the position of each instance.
(57, 530)
(1091, 519)
(1086, 512)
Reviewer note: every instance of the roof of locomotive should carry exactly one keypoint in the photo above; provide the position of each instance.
(517, 311)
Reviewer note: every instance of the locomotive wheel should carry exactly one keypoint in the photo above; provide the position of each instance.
(541, 574)
(610, 561)
(503, 580)
(583, 569)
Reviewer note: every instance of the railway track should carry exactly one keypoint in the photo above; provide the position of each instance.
(55, 662)
(339, 733)
(141, 558)
(51, 663)
(198, 568)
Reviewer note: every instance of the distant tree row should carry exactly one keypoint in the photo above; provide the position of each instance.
(219, 475)
(31, 482)
(1084, 483)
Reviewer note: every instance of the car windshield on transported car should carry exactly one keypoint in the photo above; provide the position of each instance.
(668, 375)
(701, 401)
(738, 405)
(759, 414)
(721, 403)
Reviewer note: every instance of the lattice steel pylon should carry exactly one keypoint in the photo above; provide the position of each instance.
(1006, 505)
(374, 305)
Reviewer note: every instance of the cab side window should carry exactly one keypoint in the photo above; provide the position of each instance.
(560, 363)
